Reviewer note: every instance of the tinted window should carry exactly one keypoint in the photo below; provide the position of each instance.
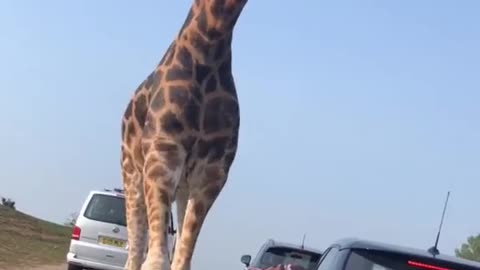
(380, 260)
(275, 256)
(329, 259)
(107, 208)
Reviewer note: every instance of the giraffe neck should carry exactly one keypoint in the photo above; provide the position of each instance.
(212, 20)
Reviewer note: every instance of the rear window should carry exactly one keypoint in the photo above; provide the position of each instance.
(282, 255)
(106, 208)
(381, 260)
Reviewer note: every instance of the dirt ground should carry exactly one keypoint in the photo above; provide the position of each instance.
(45, 267)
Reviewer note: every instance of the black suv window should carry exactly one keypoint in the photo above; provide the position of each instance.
(107, 208)
(382, 260)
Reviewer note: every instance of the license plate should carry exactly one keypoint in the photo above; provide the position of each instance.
(112, 242)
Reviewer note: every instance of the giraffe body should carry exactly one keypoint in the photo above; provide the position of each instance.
(179, 137)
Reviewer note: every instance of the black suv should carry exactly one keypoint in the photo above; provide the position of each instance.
(356, 254)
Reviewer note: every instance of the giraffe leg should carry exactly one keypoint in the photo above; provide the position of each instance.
(135, 214)
(164, 163)
(202, 196)
(181, 201)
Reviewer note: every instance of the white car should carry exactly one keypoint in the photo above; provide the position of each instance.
(99, 238)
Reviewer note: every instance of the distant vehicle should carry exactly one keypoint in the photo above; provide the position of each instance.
(99, 238)
(274, 253)
(356, 254)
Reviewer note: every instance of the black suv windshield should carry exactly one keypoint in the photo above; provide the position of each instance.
(282, 255)
(381, 260)
(107, 208)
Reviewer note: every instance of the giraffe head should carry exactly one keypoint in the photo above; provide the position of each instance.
(213, 19)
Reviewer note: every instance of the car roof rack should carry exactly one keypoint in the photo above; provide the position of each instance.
(117, 190)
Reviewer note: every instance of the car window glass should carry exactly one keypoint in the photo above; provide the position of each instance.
(382, 260)
(275, 256)
(106, 208)
(329, 259)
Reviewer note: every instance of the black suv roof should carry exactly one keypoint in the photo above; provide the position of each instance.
(356, 243)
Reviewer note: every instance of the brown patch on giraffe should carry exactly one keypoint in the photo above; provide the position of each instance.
(178, 73)
(211, 85)
(179, 95)
(157, 171)
(158, 100)
(199, 209)
(188, 143)
(170, 123)
(140, 107)
(220, 114)
(184, 57)
(166, 147)
(201, 72)
(213, 190)
(226, 79)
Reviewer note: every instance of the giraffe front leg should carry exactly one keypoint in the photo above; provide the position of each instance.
(203, 193)
(136, 215)
(163, 169)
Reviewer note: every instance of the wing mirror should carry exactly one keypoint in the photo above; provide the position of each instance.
(246, 260)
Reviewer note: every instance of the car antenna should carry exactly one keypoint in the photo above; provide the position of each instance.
(303, 241)
(434, 250)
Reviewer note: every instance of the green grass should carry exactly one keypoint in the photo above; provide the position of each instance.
(29, 241)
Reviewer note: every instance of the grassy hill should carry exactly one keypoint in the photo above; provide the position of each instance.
(29, 241)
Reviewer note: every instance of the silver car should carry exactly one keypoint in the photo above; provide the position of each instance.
(99, 238)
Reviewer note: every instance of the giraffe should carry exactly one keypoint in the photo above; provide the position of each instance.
(179, 137)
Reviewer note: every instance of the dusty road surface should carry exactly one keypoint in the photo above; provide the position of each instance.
(45, 267)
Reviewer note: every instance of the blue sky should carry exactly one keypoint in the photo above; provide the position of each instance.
(357, 116)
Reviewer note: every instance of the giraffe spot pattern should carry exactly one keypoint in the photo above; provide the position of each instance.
(128, 111)
(199, 44)
(149, 128)
(188, 143)
(171, 124)
(201, 72)
(226, 77)
(183, 97)
(213, 149)
(203, 27)
(166, 147)
(179, 95)
(140, 109)
(220, 113)
(211, 85)
(192, 115)
(150, 79)
(185, 57)
(158, 100)
(178, 73)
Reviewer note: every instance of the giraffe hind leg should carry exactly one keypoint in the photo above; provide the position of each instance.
(181, 202)
(202, 195)
(135, 215)
(164, 162)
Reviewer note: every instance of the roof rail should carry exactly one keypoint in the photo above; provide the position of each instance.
(118, 190)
